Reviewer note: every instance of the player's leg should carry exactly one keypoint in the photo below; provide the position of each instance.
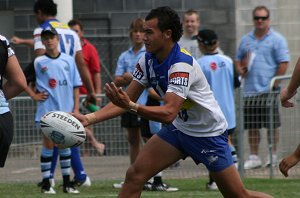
(94, 142)
(45, 162)
(65, 164)
(80, 176)
(155, 156)
(134, 140)
(231, 186)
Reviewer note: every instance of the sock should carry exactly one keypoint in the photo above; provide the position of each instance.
(54, 161)
(65, 164)
(79, 173)
(157, 179)
(45, 162)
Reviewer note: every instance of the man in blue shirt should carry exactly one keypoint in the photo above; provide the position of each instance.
(262, 54)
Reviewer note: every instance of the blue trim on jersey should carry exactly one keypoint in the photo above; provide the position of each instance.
(161, 78)
(47, 23)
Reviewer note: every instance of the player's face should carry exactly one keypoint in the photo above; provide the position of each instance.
(50, 41)
(153, 39)
(78, 30)
(261, 20)
(191, 24)
(137, 36)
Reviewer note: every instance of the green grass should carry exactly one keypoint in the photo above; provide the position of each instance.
(279, 188)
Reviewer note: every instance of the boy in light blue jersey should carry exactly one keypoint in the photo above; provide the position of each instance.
(56, 75)
(219, 72)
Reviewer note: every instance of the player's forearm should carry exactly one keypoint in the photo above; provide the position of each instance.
(295, 80)
(97, 83)
(76, 99)
(107, 112)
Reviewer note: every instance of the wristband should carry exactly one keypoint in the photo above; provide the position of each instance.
(91, 117)
(133, 107)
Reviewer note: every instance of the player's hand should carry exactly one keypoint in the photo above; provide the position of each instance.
(284, 98)
(116, 95)
(41, 96)
(287, 163)
(15, 40)
(82, 118)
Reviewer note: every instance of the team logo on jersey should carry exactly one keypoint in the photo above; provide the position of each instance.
(213, 66)
(52, 83)
(44, 69)
(179, 78)
(67, 68)
(138, 72)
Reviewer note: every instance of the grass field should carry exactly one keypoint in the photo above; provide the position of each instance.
(279, 188)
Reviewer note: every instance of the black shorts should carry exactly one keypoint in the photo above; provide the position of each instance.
(6, 135)
(130, 120)
(145, 128)
(257, 111)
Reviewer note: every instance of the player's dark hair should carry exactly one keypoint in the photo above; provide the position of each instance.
(167, 19)
(261, 8)
(74, 22)
(47, 7)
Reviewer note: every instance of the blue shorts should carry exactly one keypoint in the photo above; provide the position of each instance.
(213, 152)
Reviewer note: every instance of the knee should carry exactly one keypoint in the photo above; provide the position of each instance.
(135, 175)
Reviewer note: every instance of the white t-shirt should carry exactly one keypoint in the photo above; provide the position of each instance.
(69, 42)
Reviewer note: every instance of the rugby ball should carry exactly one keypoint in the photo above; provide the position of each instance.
(63, 129)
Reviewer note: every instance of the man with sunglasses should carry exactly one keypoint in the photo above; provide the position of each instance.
(262, 54)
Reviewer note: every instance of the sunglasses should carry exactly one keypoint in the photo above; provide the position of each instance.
(256, 18)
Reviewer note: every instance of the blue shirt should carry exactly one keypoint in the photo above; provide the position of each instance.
(58, 77)
(270, 51)
(218, 70)
(126, 63)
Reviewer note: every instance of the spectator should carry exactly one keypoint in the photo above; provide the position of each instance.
(123, 76)
(219, 72)
(195, 124)
(69, 43)
(191, 25)
(148, 129)
(15, 83)
(262, 54)
(62, 87)
(91, 59)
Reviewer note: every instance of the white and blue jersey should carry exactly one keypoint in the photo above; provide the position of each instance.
(69, 41)
(219, 72)
(58, 77)
(268, 52)
(126, 63)
(200, 115)
(3, 103)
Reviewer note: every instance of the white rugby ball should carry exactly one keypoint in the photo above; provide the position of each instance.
(63, 129)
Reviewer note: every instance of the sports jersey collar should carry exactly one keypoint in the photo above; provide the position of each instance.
(52, 57)
(169, 60)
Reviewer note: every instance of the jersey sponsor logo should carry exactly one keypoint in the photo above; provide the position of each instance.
(56, 24)
(138, 72)
(179, 78)
(52, 83)
(213, 66)
(44, 69)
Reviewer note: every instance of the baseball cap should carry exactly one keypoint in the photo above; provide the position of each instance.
(207, 37)
(49, 30)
